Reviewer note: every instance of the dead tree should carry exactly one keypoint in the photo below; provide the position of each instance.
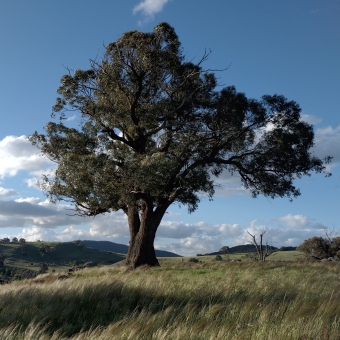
(262, 253)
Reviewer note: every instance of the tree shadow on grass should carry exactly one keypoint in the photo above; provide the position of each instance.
(81, 307)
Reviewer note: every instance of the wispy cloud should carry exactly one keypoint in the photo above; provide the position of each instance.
(148, 8)
(18, 154)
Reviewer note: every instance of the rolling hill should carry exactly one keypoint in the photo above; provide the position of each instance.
(121, 248)
(26, 261)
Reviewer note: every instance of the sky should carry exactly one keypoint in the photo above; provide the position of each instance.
(267, 47)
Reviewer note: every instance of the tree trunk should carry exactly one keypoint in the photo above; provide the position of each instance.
(143, 229)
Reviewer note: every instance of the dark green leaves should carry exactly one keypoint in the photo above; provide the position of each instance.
(155, 129)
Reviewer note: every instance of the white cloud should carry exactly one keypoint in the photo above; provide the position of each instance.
(190, 239)
(6, 193)
(276, 236)
(295, 221)
(31, 211)
(149, 8)
(32, 182)
(18, 154)
(227, 184)
(193, 245)
(310, 119)
(37, 233)
(300, 222)
(31, 200)
(72, 118)
(180, 230)
(327, 141)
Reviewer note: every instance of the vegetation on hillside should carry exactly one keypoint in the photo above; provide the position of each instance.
(178, 300)
(16, 264)
(121, 248)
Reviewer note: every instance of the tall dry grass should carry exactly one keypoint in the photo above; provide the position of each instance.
(178, 301)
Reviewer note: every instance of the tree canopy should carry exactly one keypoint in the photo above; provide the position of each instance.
(157, 130)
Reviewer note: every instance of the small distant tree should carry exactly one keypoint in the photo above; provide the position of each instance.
(43, 268)
(22, 240)
(225, 250)
(6, 240)
(15, 240)
(262, 252)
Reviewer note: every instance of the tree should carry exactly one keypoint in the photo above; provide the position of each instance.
(156, 131)
(225, 250)
(319, 248)
(22, 240)
(43, 268)
(262, 253)
(15, 240)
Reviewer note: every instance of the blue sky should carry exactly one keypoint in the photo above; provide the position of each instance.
(284, 47)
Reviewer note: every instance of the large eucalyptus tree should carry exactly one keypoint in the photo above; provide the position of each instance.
(155, 131)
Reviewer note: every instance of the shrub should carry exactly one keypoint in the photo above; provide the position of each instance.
(319, 248)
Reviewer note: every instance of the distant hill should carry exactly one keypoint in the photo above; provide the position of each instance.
(121, 248)
(246, 248)
(249, 248)
(57, 255)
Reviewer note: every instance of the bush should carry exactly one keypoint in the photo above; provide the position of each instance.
(193, 259)
(319, 248)
(43, 268)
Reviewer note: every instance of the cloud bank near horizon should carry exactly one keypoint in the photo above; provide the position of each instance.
(42, 220)
(34, 218)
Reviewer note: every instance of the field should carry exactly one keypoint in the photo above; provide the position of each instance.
(288, 256)
(179, 300)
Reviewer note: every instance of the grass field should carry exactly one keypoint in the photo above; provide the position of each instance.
(288, 256)
(179, 300)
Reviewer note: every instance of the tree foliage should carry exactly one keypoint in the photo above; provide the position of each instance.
(319, 248)
(225, 250)
(156, 130)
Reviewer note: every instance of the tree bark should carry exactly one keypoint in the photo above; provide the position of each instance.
(143, 226)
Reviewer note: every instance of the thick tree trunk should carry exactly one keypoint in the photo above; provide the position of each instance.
(142, 235)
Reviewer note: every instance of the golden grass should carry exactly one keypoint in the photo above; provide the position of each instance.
(177, 301)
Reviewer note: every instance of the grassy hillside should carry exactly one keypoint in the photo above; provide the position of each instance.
(58, 256)
(121, 248)
(179, 300)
